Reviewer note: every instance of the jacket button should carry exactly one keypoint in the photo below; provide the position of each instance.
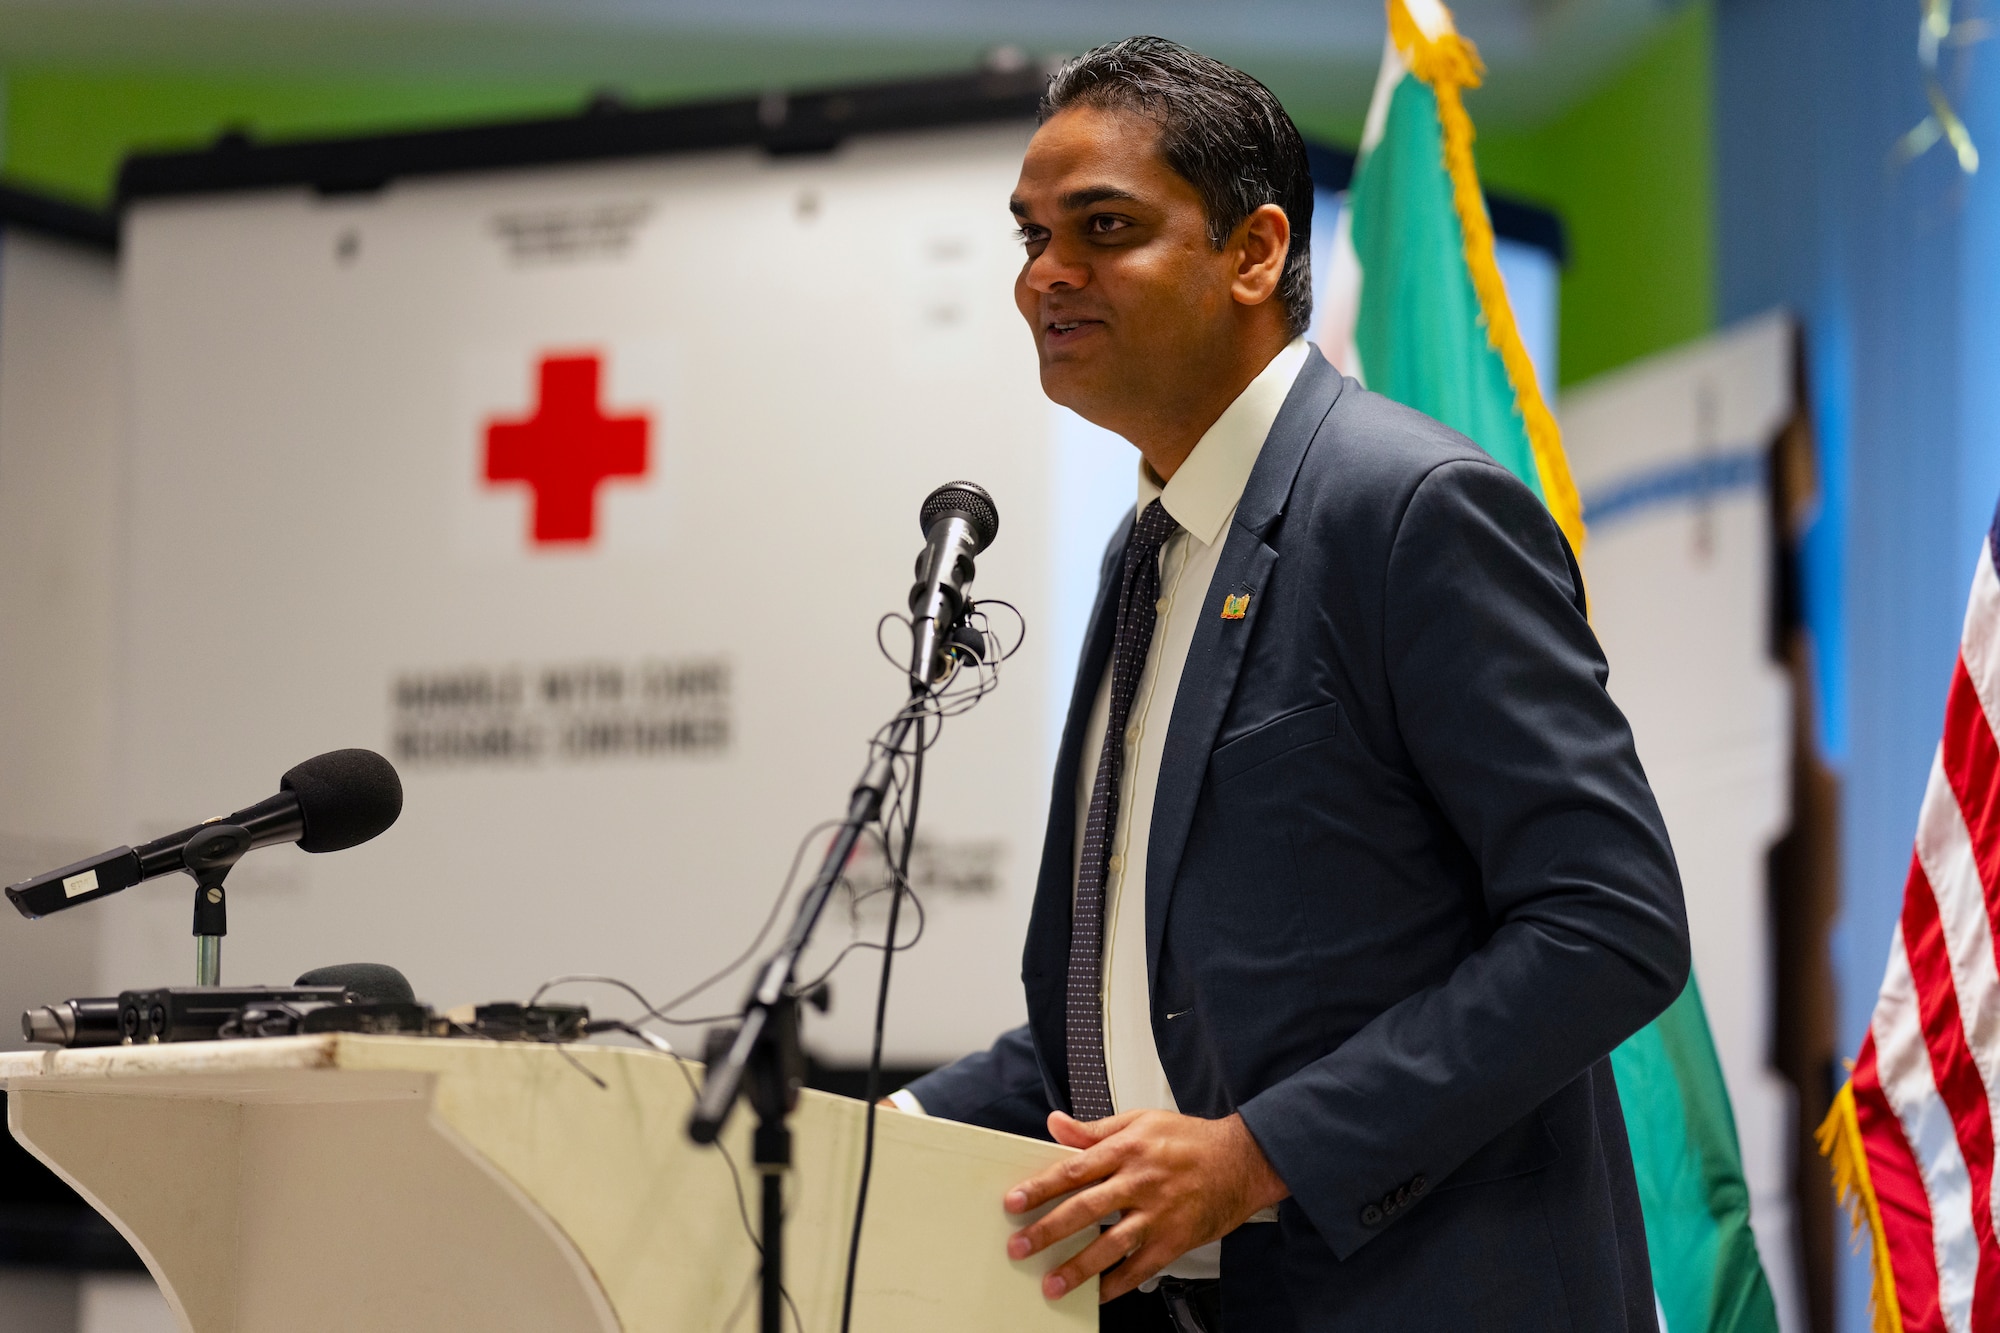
(1371, 1216)
(1419, 1187)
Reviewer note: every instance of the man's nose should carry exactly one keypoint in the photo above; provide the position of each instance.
(1054, 271)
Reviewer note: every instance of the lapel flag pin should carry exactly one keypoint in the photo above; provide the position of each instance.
(1235, 605)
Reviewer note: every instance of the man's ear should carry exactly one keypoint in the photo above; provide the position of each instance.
(1259, 246)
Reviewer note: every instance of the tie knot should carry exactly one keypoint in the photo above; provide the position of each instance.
(1153, 527)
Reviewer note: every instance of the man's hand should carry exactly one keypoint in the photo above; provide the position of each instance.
(1178, 1182)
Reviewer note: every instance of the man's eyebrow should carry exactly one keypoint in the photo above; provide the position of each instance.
(1095, 194)
(1075, 199)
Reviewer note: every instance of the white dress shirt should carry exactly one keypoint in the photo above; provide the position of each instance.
(1202, 497)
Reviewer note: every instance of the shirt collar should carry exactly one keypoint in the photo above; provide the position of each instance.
(1206, 487)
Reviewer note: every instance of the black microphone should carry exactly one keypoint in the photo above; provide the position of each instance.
(372, 983)
(959, 520)
(85, 1022)
(326, 804)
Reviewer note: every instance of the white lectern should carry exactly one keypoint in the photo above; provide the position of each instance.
(336, 1183)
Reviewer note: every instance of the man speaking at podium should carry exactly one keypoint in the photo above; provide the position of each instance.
(1352, 878)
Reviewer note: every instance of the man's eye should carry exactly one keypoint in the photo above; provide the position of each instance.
(1030, 235)
(1105, 222)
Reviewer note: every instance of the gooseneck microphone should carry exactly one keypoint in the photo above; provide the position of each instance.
(959, 520)
(331, 802)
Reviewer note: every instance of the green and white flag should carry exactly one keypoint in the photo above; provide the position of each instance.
(1415, 309)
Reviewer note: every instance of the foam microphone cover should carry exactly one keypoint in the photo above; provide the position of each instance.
(345, 797)
(376, 983)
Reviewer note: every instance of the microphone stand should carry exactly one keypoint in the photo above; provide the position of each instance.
(765, 1057)
(209, 856)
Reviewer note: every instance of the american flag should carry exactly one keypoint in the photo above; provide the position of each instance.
(1911, 1136)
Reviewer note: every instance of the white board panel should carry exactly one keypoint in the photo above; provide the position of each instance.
(61, 405)
(1670, 456)
(812, 343)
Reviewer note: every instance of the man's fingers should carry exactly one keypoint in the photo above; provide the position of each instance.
(1093, 1258)
(1073, 1133)
(1175, 1183)
(1071, 1173)
(1038, 1189)
(1142, 1264)
(1067, 1218)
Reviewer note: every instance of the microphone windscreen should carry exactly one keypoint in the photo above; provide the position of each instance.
(345, 797)
(377, 983)
(967, 499)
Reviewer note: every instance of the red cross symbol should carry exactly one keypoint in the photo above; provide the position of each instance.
(566, 449)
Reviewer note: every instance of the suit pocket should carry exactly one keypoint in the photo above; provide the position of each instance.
(1280, 736)
(1521, 1149)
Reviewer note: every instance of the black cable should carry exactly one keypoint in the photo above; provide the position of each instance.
(694, 1091)
(562, 1049)
(968, 680)
(881, 1016)
(598, 979)
(750, 951)
(742, 1204)
(916, 903)
(663, 1012)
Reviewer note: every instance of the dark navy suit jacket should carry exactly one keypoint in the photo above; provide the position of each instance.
(1406, 889)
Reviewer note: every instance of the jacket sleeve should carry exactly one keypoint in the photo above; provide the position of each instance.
(997, 1088)
(1498, 687)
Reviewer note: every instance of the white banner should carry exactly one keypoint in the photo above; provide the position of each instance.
(579, 493)
(60, 553)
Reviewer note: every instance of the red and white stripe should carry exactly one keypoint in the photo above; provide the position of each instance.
(1927, 1085)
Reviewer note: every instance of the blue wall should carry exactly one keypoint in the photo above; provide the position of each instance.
(1896, 273)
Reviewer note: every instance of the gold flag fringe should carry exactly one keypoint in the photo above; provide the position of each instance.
(1839, 1138)
(1448, 64)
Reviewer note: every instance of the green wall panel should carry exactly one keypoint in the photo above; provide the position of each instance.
(1628, 166)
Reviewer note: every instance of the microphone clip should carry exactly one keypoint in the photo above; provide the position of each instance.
(209, 856)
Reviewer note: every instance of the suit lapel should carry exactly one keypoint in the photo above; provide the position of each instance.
(1215, 658)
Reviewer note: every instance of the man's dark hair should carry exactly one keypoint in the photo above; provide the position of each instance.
(1220, 130)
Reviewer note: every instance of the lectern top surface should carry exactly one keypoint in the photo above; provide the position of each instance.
(189, 1057)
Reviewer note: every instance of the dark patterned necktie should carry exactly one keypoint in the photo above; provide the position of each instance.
(1138, 609)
